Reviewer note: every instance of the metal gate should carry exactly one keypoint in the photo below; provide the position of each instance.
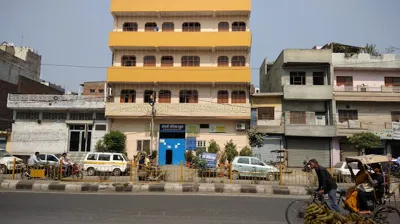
(303, 148)
(348, 150)
(270, 144)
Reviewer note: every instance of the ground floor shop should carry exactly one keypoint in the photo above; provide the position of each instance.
(172, 137)
(300, 149)
(269, 152)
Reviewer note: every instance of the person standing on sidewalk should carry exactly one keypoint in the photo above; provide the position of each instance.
(326, 183)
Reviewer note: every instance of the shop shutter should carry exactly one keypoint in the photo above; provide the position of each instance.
(303, 148)
(347, 150)
(264, 153)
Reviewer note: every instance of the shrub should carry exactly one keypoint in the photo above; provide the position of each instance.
(189, 156)
(230, 149)
(246, 151)
(100, 147)
(213, 147)
(115, 141)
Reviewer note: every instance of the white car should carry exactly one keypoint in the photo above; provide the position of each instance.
(343, 173)
(7, 162)
(50, 158)
(246, 166)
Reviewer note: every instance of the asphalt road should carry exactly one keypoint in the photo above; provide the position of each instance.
(35, 208)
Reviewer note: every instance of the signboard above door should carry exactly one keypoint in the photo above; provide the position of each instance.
(172, 128)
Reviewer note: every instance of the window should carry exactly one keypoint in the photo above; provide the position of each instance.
(238, 26)
(27, 115)
(318, 78)
(128, 61)
(42, 157)
(101, 90)
(344, 80)
(128, 96)
(243, 160)
(204, 126)
(118, 158)
(191, 27)
(238, 97)
(297, 117)
(101, 116)
(81, 116)
(266, 113)
(132, 27)
(392, 81)
(52, 158)
(143, 145)
(223, 61)
(297, 78)
(396, 116)
(201, 144)
(150, 27)
(256, 162)
(149, 61)
(223, 27)
(104, 157)
(238, 61)
(348, 115)
(190, 61)
(188, 96)
(164, 96)
(167, 61)
(54, 116)
(148, 94)
(92, 90)
(168, 27)
(101, 127)
(92, 157)
(223, 96)
(338, 165)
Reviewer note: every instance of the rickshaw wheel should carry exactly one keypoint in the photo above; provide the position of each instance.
(380, 214)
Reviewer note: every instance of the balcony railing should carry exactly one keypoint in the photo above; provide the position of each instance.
(380, 128)
(309, 124)
(382, 89)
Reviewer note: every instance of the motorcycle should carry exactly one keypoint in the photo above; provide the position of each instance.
(73, 172)
(53, 172)
(307, 167)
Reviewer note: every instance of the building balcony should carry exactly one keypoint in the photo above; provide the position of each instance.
(309, 125)
(271, 127)
(179, 75)
(173, 110)
(380, 128)
(54, 102)
(169, 8)
(307, 92)
(182, 40)
(366, 93)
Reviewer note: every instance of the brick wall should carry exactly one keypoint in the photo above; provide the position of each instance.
(93, 88)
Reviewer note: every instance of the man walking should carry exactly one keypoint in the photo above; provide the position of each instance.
(326, 184)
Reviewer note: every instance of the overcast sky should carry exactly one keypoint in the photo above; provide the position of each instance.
(75, 32)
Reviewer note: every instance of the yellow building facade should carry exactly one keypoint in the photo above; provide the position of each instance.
(193, 59)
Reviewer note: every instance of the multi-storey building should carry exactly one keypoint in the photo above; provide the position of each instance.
(193, 59)
(93, 88)
(304, 79)
(367, 95)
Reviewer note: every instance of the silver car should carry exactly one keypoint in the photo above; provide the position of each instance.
(246, 166)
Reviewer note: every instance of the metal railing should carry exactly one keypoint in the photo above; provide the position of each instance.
(382, 89)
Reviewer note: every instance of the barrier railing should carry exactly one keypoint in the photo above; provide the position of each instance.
(134, 173)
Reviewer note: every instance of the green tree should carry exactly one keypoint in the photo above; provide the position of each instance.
(246, 151)
(115, 141)
(371, 49)
(256, 139)
(100, 147)
(213, 147)
(230, 149)
(365, 140)
(189, 156)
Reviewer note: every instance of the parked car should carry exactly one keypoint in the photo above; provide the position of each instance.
(115, 163)
(50, 158)
(342, 173)
(246, 166)
(7, 160)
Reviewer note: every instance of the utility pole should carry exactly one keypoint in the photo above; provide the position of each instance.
(153, 115)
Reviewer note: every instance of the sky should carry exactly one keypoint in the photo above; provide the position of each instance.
(75, 32)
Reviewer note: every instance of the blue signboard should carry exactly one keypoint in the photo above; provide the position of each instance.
(172, 128)
(211, 159)
(191, 143)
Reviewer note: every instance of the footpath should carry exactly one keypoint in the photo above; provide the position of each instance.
(106, 187)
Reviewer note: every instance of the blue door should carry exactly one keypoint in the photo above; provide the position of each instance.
(171, 151)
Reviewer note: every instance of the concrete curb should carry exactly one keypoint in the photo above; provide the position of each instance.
(40, 186)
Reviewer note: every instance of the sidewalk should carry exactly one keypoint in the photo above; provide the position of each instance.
(209, 188)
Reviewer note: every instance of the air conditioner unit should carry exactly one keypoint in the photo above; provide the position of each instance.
(240, 126)
(109, 92)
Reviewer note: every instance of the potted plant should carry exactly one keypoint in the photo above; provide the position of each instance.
(188, 158)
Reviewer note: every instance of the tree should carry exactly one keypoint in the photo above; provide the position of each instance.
(100, 147)
(213, 147)
(371, 49)
(365, 140)
(115, 141)
(189, 156)
(391, 49)
(256, 139)
(230, 149)
(246, 151)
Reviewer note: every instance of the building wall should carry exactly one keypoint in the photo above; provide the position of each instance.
(206, 93)
(374, 79)
(269, 101)
(207, 59)
(208, 24)
(93, 88)
(135, 130)
(309, 74)
(271, 81)
(11, 67)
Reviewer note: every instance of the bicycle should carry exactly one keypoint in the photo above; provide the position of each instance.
(298, 214)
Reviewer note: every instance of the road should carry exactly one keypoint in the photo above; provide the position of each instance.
(38, 208)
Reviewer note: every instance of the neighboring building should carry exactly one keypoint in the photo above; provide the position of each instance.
(197, 67)
(93, 88)
(305, 79)
(52, 85)
(266, 116)
(56, 123)
(19, 73)
(367, 95)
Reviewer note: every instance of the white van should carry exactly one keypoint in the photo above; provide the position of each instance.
(115, 163)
